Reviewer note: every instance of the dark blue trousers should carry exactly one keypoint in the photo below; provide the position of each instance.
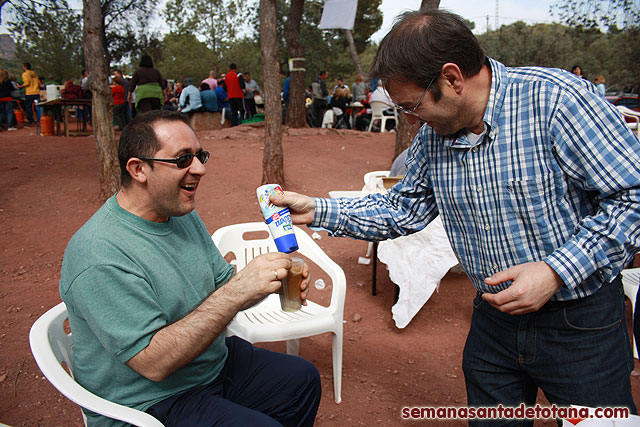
(256, 387)
(577, 352)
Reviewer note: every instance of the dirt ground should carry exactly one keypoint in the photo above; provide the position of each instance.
(49, 188)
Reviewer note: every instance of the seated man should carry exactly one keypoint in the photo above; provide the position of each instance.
(209, 98)
(190, 100)
(149, 297)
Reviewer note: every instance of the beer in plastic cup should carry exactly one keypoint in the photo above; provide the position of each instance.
(290, 291)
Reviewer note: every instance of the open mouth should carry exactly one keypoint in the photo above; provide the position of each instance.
(189, 187)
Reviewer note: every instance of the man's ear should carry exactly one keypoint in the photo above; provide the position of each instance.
(136, 169)
(453, 75)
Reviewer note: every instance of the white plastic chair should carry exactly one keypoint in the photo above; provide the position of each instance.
(266, 322)
(51, 346)
(377, 107)
(630, 283)
(635, 115)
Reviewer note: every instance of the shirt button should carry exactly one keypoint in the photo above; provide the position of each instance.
(474, 149)
(479, 188)
(495, 267)
(487, 227)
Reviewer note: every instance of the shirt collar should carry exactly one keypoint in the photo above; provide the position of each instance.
(491, 114)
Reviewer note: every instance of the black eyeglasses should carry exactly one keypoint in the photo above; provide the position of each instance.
(412, 111)
(183, 161)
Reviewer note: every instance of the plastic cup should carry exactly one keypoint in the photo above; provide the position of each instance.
(290, 291)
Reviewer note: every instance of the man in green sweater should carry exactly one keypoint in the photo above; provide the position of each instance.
(149, 297)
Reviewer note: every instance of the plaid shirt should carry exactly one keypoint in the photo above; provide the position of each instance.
(555, 177)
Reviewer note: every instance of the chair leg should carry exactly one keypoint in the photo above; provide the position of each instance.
(337, 364)
(293, 347)
(383, 124)
(369, 248)
(371, 124)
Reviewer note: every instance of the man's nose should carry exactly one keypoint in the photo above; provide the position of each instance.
(197, 167)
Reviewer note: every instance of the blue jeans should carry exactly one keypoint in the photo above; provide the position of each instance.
(577, 352)
(6, 113)
(256, 387)
(29, 106)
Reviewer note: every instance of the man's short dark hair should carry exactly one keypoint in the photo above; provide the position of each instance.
(139, 139)
(420, 43)
(232, 66)
(27, 65)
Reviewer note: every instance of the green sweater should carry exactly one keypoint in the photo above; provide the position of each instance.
(123, 278)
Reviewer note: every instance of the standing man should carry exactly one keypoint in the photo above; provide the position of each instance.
(251, 89)
(127, 105)
(211, 80)
(320, 94)
(31, 85)
(537, 181)
(235, 93)
(149, 297)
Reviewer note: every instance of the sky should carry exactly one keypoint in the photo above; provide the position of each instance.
(509, 11)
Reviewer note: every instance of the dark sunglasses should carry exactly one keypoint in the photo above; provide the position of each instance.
(183, 161)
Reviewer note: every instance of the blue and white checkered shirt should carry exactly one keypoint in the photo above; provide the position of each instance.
(555, 177)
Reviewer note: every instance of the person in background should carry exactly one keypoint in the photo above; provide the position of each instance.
(235, 92)
(127, 105)
(251, 89)
(149, 87)
(31, 85)
(211, 81)
(149, 297)
(190, 100)
(577, 70)
(381, 95)
(118, 94)
(536, 178)
(6, 100)
(84, 82)
(209, 98)
(286, 87)
(320, 94)
(599, 82)
(359, 90)
(223, 100)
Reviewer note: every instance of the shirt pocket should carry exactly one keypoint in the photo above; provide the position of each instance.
(527, 204)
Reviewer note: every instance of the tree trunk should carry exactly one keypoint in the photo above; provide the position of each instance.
(296, 112)
(272, 161)
(431, 4)
(405, 132)
(102, 113)
(354, 54)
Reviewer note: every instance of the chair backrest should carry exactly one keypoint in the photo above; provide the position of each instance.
(374, 174)
(634, 123)
(51, 346)
(377, 107)
(232, 239)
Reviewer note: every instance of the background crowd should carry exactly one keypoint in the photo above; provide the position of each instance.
(235, 94)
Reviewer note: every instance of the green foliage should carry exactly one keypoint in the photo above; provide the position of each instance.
(215, 21)
(613, 54)
(58, 55)
(183, 55)
(13, 66)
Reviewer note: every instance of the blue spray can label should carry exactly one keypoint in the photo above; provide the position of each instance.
(278, 219)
